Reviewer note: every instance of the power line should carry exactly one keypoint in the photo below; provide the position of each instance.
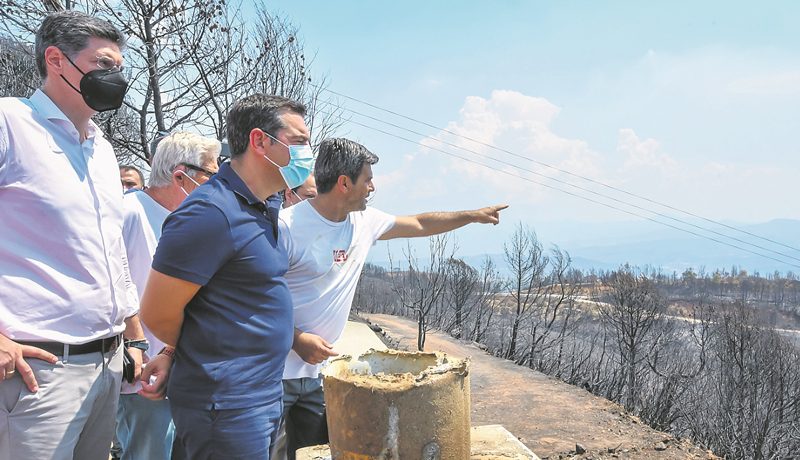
(571, 193)
(555, 168)
(635, 206)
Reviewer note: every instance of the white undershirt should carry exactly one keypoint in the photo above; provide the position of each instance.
(141, 230)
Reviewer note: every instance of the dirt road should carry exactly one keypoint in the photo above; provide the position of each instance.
(547, 415)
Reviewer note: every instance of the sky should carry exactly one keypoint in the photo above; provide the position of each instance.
(690, 104)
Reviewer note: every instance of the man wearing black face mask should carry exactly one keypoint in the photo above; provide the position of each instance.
(66, 299)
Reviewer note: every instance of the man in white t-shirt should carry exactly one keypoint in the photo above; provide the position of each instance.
(328, 239)
(181, 163)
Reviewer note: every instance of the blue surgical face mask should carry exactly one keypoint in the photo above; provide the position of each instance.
(301, 162)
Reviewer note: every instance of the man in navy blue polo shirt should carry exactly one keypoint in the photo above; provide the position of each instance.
(217, 291)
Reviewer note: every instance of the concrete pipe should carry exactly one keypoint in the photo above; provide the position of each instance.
(393, 405)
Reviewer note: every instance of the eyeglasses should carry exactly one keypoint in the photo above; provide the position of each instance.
(107, 63)
(198, 169)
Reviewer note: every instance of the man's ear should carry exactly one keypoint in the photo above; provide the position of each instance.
(343, 183)
(259, 141)
(54, 58)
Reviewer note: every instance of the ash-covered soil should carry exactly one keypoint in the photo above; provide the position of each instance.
(547, 415)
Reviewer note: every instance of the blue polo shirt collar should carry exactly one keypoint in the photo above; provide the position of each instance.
(238, 187)
(236, 184)
(269, 208)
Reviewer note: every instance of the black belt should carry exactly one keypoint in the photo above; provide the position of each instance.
(99, 345)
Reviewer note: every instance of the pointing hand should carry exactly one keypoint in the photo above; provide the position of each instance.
(489, 214)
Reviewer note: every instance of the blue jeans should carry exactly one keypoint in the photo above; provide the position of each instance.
(144, 428)
(226, 433)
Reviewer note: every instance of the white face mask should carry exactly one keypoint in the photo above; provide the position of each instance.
(190, 178)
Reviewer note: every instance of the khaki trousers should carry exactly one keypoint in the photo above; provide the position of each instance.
(70, 417)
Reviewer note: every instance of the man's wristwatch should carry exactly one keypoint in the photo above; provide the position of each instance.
(140, 344)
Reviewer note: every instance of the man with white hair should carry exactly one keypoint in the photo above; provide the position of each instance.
(182, 162)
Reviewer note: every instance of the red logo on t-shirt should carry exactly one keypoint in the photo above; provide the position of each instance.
(339, 256)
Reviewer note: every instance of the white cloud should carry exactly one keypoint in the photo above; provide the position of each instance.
(433, 82)
(772, 84)
(642, 153)
(394, 176)
(520, 127)
(719, 122)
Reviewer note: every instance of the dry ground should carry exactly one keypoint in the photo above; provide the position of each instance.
(547, 415)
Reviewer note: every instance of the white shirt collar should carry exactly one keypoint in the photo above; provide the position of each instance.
(45, 106)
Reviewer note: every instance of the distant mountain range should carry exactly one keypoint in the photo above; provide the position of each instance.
(609, 245)
(674, 250)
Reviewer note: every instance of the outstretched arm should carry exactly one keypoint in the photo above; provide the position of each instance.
(433, 223)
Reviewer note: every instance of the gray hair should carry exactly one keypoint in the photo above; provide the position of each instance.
(340, 157)
(70, 32)
(258, 111)
(181, 148)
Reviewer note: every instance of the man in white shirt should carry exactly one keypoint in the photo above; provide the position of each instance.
(181, 163)
(65, 290)
(328, 239)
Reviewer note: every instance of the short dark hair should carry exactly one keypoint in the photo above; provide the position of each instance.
(70, 32)
(134, 169)
(257, 111)
(340, 157)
